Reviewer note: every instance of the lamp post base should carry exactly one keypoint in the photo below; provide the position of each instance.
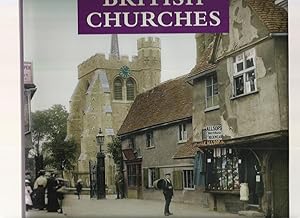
(101, 189)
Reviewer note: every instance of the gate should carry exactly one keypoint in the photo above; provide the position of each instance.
(93, 178)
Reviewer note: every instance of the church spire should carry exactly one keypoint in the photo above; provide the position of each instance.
(114, 46)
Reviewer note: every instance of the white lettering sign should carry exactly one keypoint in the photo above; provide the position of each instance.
(214, 132)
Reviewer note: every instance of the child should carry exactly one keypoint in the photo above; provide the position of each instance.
(28, 191)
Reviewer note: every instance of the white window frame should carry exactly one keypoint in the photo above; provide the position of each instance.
(151, 177)
(185, 178)
(212, 87)
(241, 59)
(182, 132)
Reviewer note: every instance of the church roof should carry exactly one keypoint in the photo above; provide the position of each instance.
(170, 101)
(274, 17)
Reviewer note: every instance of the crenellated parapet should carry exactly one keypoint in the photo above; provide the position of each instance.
(149, 56)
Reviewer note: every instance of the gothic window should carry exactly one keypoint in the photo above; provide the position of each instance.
(118, 89)
(130, 87)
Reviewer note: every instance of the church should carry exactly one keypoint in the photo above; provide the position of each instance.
(105, 91)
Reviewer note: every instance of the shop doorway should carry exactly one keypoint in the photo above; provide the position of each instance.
(251, 175)
(280, 184)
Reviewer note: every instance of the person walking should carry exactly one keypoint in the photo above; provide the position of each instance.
(28, 191)
(78, 187)
(39, 190)
(61, 190)
(168, 193)
(52, 186)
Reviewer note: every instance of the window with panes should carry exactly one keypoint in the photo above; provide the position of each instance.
(222, 167)
(188, 179)
(134, 174)
(182, 132)
(244, 78)
(211, 84)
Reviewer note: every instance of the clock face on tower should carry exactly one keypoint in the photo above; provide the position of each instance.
(125, 72)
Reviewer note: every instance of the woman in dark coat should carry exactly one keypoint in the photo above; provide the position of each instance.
(52, 186)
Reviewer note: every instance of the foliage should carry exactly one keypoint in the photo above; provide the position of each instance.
(115, 149)
(49, 130)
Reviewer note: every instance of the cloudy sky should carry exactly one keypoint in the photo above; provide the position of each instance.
(51, 42)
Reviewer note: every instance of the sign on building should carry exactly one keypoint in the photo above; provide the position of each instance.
(28, 78)
(213, 132)
(109, 132)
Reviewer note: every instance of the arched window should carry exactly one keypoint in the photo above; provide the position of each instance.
(130, 88)
(118, 89)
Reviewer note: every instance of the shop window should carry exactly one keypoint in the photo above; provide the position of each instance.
(222, 169)
(244, 78)
(130, 89)
(149, 139)
(211, 98)
(118, 89)
(182, 133)
(188, 179)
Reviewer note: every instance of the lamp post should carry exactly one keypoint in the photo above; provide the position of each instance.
(100, 167)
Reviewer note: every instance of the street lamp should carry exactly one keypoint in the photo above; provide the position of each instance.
(100, 167)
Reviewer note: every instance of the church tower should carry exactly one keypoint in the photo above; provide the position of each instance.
(105, 91)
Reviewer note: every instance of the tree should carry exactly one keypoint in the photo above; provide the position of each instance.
(49, 129)
(115, 149)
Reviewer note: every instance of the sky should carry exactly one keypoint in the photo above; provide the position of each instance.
(52, 44)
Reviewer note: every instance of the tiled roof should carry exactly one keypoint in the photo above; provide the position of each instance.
(187, 150)
(203, 65)
(167, 102)
(274, 17)
(128, 153)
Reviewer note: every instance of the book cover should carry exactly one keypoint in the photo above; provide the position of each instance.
(171, 107)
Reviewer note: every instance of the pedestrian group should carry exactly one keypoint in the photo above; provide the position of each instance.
(52, 186)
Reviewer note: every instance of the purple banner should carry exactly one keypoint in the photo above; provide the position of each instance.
(152, 16)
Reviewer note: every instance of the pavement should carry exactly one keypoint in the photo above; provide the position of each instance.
(125, 208)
